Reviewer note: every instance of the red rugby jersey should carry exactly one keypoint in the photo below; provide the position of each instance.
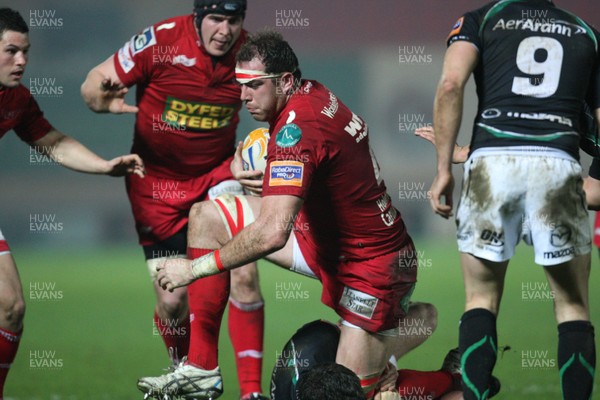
(319, 151)
(188, 100)
(20, 111)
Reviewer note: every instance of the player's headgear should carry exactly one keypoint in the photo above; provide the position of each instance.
(225, 7)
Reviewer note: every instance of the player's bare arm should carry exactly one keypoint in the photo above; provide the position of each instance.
(591, 187)
(103, 92)
(460, 154)
(264, 236)
(460, 60)
(250, 180)
(72, 154)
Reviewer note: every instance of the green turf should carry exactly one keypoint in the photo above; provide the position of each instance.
(95, 338)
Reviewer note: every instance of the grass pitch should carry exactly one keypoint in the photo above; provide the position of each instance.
(89, 332)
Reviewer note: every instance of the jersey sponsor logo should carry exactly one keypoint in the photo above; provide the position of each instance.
(331, 108)
(11, 114)
(492, 238)
(143, 40)
(289, 135)
(559, 253)
(183, 60)
(168, 25)
(357, 128)
(551, 26)
(388, 211)
(492, 113)
(195, 115)
(541, 117)
(286, 173)
(125, 59)
(457, 27)
(358, 303)
(560, 236)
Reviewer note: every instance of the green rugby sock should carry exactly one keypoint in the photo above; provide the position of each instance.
(576, 359)
(478, 348)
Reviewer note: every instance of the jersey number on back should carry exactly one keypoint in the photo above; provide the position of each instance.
(541, 58)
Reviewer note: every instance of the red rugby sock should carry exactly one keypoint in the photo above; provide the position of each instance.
(207, 299)
(9, 344)
(423, 384)
(246, 329)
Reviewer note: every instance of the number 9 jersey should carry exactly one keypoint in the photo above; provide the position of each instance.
(536, 63)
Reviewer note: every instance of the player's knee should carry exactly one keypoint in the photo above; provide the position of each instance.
(203, 213)
(204, 219)
(12, 307)
(430, 316)
(425, 313)
(244, 284)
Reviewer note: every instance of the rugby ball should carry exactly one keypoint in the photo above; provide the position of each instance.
(254, 150)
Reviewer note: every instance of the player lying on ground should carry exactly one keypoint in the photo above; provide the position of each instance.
(315, 345)
(323, 180)
(21, 113)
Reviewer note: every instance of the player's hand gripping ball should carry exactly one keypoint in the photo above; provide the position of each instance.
(254, 150)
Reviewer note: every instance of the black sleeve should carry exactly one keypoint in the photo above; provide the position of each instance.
(595, 169)
(590, 140)
(593, 96)
(466, 29)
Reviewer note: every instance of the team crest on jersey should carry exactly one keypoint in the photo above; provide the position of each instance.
(286, 173)
(143, 40)
(457, 27)
(289, 135)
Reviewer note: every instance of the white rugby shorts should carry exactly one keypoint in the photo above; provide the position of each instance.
(529, 193)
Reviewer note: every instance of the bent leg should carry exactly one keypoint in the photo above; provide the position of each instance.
(415, 328)
(418, 325)
(207, 297)
(212, 224)
(365, 353)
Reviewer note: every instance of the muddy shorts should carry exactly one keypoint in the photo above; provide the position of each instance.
(529, 193)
